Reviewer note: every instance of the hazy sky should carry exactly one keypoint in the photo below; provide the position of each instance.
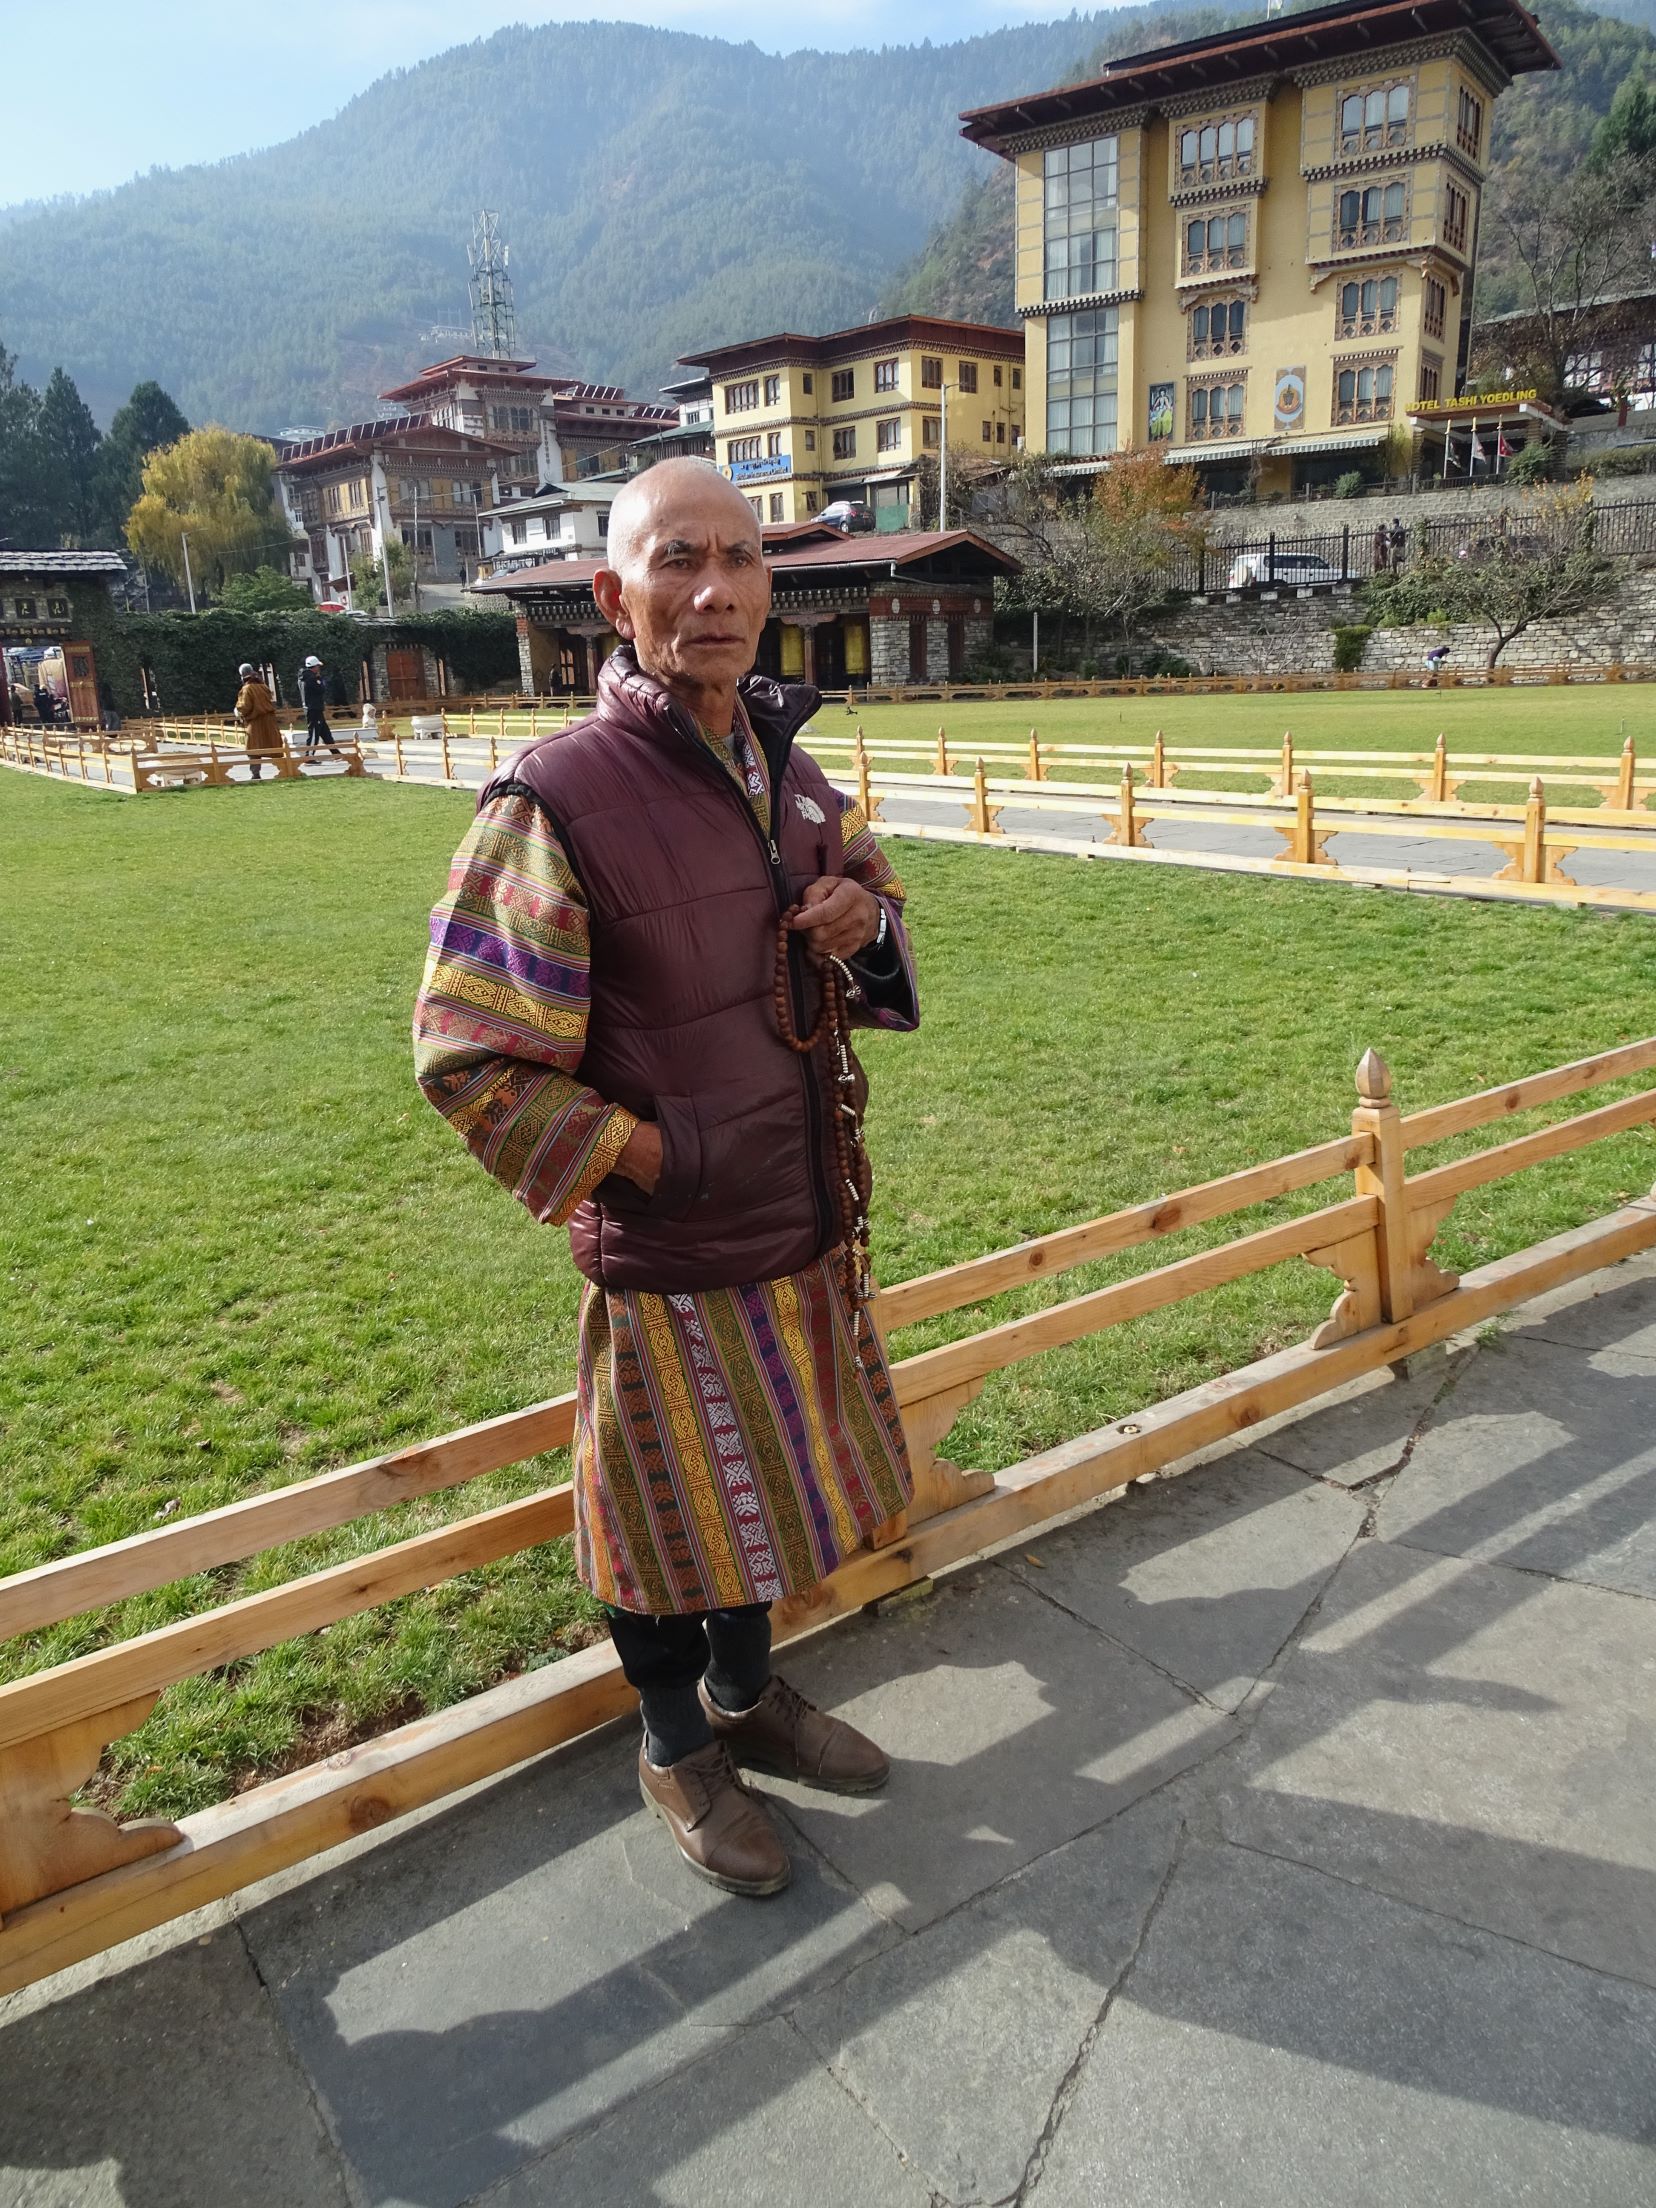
(97, 93)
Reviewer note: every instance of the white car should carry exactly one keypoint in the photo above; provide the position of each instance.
(1295, 569)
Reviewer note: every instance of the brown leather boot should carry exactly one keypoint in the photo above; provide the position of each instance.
(720, 1827)
(788, 1735)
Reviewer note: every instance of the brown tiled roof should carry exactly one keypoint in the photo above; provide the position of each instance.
(905, 549)
(900, 329)
(412, 430)
(443, 372)
(1271, 48)
(62, 563)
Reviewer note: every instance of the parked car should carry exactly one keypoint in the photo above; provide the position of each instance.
(849, 515)
(1293, 568)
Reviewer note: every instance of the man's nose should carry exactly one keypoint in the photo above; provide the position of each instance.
(713, 589)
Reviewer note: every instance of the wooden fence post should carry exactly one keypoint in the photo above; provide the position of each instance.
(940, 765)
(1624, 778)
(503, 724)
(1286, 782)
(396, 749)
(443, 740)
(1383, 1178)
(1128, 832)
(494, 751)
(1305, 845)
(1037, 772)
(1158, 764)
(1439, 789)
(982, 818)
(1535, 834)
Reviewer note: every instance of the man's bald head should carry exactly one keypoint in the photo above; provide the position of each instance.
(676, 498)
(685, 583)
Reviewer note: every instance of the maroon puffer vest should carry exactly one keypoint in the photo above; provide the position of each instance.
(683, 893)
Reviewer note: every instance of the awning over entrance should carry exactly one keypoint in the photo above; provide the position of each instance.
(1232, 448)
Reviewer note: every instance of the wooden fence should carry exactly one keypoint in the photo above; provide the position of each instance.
(73, 1881)
(213, 758)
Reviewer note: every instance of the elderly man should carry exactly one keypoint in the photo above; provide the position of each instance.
(256, 711)
(652, 916)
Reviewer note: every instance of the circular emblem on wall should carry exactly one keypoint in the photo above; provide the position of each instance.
(1288, 399)
(896, 605)
(937, 605)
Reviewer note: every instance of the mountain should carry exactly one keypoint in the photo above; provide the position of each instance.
(965, 266)
(658, 192)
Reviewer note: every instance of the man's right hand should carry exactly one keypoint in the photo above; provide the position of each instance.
(640, 1161)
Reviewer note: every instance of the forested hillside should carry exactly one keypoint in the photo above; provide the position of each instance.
(658, 191)
(966, 265)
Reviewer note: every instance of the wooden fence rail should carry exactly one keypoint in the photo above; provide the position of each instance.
(73, 1881)
(178, 759)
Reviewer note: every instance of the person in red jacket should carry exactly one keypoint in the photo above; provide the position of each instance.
(643, 910)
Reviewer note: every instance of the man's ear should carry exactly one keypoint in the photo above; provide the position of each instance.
(606, 590)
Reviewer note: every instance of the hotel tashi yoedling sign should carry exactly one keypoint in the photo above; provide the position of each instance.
(1479, 402)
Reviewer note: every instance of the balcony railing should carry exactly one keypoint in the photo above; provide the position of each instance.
(1363, 410)
(1388, 231)
(1217, 263)
(1378, 324)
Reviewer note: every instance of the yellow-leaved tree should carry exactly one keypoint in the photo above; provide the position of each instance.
(215, 488)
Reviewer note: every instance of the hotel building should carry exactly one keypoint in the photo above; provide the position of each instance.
(1256, 250)
(800, 422)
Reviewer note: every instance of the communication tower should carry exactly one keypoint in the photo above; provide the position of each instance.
(494, 317)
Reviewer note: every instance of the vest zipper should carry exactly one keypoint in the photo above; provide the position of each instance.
(796, 984)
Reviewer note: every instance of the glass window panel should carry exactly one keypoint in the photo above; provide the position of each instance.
(1199, 321)
(1348, 386)
(1388, 295)
(1227, 141)
(1245, 135)
(1348, 298)
(1210, 143)
(1195, 237)
(1238, 317)
(1374, 109)
(1365, 385)
(1383, 382)
(1236, 230)
(1187, 149)
(1350, 210)
(1234, 399)
(1198, 406)
(1394, 202)
(1397, 104)
(1351, 113)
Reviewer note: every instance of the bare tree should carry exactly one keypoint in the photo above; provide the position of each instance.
(1571, 247)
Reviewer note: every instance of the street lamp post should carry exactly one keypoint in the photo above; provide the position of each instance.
(943, 391)
(189, 580)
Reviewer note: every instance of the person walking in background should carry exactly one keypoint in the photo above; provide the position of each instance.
(256, 712)
(1399, 541)
(313, 693)
(1382, 548)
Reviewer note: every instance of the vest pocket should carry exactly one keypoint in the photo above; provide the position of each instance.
(681, 1168)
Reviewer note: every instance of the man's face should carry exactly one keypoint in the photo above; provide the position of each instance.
(692, 591)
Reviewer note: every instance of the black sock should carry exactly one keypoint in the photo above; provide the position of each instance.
(739, 1668)
(675, 1724)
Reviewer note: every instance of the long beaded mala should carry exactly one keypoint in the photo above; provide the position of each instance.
(853, 1173)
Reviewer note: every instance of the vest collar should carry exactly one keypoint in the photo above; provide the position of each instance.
(776, 710)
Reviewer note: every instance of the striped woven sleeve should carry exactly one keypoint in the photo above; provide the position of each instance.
(891, 995)
(500, 1023)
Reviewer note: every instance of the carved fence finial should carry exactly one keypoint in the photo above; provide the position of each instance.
(1373, 1079)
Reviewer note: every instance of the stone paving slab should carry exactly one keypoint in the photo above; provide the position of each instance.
(168, 2086)
(1543, 1459)
(1611, 1310)
(1205, 1576)
(1355, 1441)
(1288, 2039)
(512, 1973)
(958, 2041)
(1012, 1727)
(759, 2125)
(1476, 1740)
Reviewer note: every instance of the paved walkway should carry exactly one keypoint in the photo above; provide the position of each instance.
(1280, 1835)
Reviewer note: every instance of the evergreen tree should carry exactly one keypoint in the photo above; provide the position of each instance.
(28, 516)
(69, 440)
(147, 423)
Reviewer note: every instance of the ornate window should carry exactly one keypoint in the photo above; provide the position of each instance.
(1364, 394)
(742, 398)
(931, 433)
(1437, 298)
(1375, 214)
(842, 384)
(968, 375)
(1081, 382)
(1218, 328)
(773, 390)
(1431, 377)
(931, 372)
(1216, 242)
(1214, 410)
(1210, 152)
(773, 444)
(1081, 187)
(888, 435)
(885, 375)
(1469, 125)
(845, 442)
(1378, 116)
(1455, 208)
(1367, 308)
(743, 448)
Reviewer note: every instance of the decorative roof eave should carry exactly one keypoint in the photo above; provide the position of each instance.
(1222, 187)
(1408, 54)
(1393, 157)
(1116, 124)
(1247, 94)
(1082, 303)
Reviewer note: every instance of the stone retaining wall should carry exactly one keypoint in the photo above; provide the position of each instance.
(1327, 516)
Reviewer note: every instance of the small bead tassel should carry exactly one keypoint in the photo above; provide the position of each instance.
(853, 1175)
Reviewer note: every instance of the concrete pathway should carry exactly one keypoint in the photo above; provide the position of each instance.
(1281, 1835)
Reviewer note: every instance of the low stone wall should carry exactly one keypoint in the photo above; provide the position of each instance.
(1291, 634)
(1327, 516)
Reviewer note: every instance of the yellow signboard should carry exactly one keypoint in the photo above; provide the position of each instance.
(1477, 402)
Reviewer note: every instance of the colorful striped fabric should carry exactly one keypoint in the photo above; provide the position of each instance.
(732, 1446)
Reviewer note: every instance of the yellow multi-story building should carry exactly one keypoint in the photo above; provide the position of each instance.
(802, 422)
(1255, 251)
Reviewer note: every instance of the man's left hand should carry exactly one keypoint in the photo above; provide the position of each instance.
(839, 917)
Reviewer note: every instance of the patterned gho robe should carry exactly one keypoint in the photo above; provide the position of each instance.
(731, 1446)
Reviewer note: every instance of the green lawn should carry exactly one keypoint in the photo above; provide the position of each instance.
(239, 1249)
(1590, 720)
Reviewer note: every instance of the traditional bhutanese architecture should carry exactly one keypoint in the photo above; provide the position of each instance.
(412, 479)
(45, 597)
(800, 422)
(914, 607)
(557, 428)
(1255, 250)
